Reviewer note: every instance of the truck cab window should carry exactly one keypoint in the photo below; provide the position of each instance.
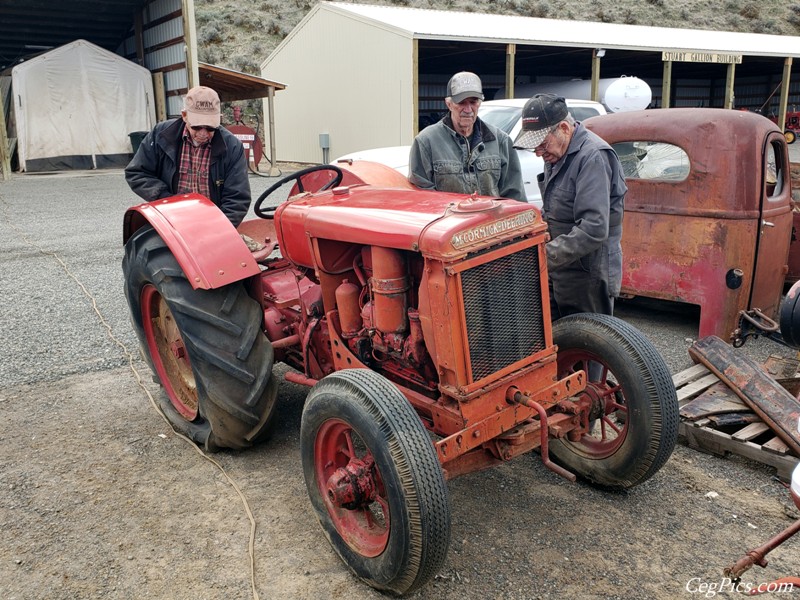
(652, 160)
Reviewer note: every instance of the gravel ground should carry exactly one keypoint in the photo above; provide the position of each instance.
(99, 499)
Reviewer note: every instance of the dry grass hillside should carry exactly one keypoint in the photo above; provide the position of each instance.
(240, 34)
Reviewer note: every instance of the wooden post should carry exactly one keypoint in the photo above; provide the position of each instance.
(511, 51)
(666, 84)
(787, 75)
(5, 154)
(190, 37)
(414, 88)
(160, 94)
(273, 169)
(729, 85)
(595, 93)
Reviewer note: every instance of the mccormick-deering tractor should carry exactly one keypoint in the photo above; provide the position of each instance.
(421, 322)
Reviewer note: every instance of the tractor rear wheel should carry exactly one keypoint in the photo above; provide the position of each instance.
(634, 419)
(374, 480)
(205, 346)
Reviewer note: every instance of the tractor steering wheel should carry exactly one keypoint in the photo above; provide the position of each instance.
(269, 212)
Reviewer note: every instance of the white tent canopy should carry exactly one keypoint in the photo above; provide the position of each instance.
(76, 106)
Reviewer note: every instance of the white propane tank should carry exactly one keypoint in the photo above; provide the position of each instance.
(618, 94)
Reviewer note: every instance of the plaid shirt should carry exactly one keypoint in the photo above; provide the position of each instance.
(193, 167)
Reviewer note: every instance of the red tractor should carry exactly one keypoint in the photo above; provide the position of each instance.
(421, 322)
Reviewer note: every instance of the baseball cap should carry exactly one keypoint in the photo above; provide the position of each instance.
(464, 85)
(202, 107)
(540, 115)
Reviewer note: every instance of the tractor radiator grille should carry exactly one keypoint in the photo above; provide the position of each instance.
(503, 306)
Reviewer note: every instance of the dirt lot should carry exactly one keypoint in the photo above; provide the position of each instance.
(99, 499)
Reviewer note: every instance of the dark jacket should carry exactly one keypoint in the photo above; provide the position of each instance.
(153, 172)
(583, 198)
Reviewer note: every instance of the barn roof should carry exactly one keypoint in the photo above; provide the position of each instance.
(481, 27)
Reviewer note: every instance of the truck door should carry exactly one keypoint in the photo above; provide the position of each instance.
(775, 230)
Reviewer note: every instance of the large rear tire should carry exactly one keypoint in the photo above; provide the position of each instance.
(205, 346)
(374, 481)
(635, 415)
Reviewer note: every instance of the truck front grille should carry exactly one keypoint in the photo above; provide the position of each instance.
(503, 306)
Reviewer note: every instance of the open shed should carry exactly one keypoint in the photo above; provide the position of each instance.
(75, 107)
(156, 34)
(361, 76)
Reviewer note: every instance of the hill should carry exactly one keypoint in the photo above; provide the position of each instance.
(240, 34)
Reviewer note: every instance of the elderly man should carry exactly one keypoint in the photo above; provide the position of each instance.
(193, 154)
(463, 154)
(583, 189)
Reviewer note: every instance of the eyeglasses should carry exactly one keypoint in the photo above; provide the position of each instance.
(197, 128)
(545, 143)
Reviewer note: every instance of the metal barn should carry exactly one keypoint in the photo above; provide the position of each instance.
(361, 76)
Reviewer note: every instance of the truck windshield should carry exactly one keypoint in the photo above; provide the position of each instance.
(502, 117)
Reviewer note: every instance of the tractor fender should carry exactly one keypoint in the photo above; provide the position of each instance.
(205, 243)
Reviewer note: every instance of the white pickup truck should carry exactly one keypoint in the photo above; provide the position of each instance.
(503, 114)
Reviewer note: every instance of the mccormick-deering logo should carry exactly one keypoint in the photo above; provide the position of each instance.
(482, 232)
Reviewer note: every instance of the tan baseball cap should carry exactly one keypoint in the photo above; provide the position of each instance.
(202, 107)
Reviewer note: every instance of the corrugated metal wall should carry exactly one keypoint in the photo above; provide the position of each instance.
(362, 99)
(164, 49)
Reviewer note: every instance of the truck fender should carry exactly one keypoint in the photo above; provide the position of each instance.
(207, 247)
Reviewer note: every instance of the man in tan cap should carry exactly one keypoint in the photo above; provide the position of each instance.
(463, 154)
(193, 154)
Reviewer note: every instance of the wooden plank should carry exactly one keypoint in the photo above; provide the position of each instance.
(781, 366)
(691, 390)
(734, 419)
(690, 374)
(715, 400)
(720, 444)
(750, 432)
(5, 152)
(776, 445)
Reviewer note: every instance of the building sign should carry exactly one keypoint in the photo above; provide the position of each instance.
(702, 57)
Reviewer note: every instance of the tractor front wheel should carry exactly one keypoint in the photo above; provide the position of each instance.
(205, 346)
(374, 480)
(634, 415)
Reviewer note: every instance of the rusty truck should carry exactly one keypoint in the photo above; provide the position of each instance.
(708, 213)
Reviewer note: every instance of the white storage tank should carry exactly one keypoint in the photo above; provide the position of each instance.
(618, 94)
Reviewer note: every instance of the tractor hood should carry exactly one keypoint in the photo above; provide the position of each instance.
(437, 224)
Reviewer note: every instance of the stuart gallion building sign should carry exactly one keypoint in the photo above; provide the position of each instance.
(704, 57)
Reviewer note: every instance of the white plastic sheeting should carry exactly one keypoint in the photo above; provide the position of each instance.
(76, 106)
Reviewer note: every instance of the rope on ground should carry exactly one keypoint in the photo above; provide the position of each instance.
(140, 382)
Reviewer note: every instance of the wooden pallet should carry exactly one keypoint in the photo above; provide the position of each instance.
(754, 441)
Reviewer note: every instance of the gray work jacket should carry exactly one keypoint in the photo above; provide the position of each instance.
(583, 200)
(445, 160)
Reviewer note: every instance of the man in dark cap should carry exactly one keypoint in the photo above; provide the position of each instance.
(463, 154)
(583, 189)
